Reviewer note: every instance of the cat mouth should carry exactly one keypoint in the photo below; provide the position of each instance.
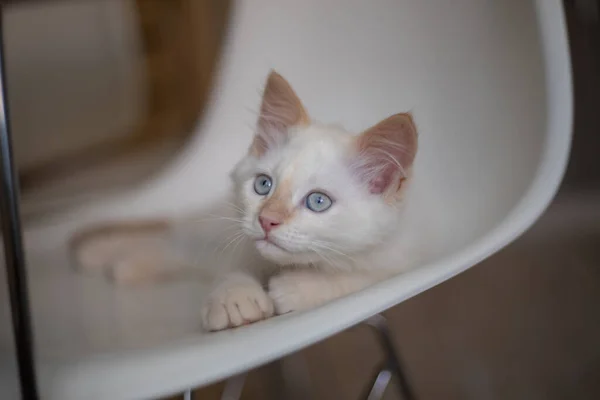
(265, 242)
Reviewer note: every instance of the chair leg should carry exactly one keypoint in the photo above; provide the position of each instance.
(379, 384)
(297, 374)
(392, 366)
(14, 254)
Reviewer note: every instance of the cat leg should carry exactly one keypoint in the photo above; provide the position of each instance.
(128, 254)
(143, 265)
(236, 299)
(304, 289)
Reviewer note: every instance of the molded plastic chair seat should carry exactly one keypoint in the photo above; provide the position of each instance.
(489, 85)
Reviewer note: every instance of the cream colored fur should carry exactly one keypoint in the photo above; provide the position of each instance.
(310, 258)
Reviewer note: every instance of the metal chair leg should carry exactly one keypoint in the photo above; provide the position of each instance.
(294, 374)
(392, 366)
(14, 254)
(379, 384)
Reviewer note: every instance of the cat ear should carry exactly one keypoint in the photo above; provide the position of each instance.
(386, 152)
(280, 110)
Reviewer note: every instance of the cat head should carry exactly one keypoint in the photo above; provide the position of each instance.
(312, 193)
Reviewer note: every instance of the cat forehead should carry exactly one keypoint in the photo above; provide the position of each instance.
(312, 147)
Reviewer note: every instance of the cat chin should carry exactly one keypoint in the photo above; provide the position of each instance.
(280, 256)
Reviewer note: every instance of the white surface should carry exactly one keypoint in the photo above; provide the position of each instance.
(489, 84)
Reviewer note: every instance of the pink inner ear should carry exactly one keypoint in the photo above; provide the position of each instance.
(387, 151)
(381, 182)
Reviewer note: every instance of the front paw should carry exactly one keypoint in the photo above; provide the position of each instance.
(229, 306)
(292, 291)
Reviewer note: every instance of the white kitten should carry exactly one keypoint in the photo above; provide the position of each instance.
(320, 213)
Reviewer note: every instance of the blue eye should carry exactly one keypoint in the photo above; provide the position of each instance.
(318, 202)
(262, 185)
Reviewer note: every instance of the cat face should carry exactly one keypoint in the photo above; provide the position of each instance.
(312, 193)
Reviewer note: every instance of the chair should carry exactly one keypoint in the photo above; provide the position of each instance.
(490, 87)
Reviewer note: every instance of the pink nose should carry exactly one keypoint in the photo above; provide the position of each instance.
(268, 223)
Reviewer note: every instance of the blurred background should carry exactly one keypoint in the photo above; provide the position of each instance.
(103, 93)
(95, 83)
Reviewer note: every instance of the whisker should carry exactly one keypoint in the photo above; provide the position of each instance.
(323, 257)
(235, 238)
(320, 245)
(226, 218)
(234, 206)
(217, 251)
(215, 218)
(328, 246)
(241, 239)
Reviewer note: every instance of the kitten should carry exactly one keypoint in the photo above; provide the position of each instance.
(317, 213)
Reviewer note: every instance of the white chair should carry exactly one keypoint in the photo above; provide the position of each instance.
(489, 84)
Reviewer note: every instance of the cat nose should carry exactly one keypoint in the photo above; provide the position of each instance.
(268, 223)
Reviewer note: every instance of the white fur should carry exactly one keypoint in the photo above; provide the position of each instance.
(361, 239)
(316, 157)
(306, 258)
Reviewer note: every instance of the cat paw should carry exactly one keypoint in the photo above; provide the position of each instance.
(230, 306)
(291, 291)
